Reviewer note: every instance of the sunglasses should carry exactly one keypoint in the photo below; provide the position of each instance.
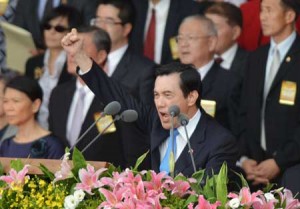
(57, 28)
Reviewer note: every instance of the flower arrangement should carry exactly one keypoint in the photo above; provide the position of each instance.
(81, 186)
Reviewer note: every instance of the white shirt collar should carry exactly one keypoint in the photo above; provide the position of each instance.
(283, 46)
(114, 58)
(228, 56)
(204, 69)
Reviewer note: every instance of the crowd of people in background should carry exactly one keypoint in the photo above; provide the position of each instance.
(245, 55)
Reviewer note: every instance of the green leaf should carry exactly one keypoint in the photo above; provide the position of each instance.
(268, 188)
(243, 180)
(140, 160)
(47, 172)
(1, 169)
(190, 199)
(78, 161)
(17, 165)
(207, 189)
(221, 185)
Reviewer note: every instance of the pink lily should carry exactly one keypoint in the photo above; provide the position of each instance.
(89, 179)
(181, 188)
(204, 204)
(245, 196)
(16, 179)
(66, 170)
(290, 201)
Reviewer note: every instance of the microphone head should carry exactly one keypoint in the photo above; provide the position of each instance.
(174, 110)
(129, 116)
(112, 108)
(183, 119)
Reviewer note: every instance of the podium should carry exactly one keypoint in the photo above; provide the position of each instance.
(52, 165)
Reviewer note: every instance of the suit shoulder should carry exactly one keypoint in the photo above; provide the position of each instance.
(63, 87)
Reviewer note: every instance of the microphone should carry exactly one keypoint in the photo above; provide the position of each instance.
(111, 108)
(173, 111)
(184, 120)
(126, 116)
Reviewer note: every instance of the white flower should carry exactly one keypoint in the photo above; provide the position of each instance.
(234, 203)
(70, 202)
(79, 195)
(269, 196)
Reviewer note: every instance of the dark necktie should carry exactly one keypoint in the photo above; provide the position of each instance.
(48, 7)
(219, 60)
(149, 44)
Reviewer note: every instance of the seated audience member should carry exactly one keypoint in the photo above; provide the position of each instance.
(6, 130)
(175, 84)
(197, 39)
(270, 110)
(73, 107)
(22, 100)
(50, 68)
(228, 21)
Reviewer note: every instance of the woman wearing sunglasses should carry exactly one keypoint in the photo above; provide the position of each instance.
(49, 68)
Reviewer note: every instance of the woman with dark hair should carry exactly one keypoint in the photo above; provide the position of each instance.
(22, 100)
(50, 68)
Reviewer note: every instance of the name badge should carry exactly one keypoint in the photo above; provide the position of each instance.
(174, 48)
(104, 122)
(288, 93)
(209, 106)
(38, 72)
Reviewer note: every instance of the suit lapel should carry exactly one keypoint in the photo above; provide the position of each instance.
(65, 108)
(122, 67)
(209, 79)
(171, 26)
(287, 63)
(184, 160)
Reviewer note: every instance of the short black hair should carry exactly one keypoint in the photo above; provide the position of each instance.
(71, 13)
(127, 12)
(292, 4)
(101, 38)
(190, 79)
(227, 10)
(27, 85)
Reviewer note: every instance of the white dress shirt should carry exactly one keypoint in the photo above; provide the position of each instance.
(161, 15)
(228, 57)
(204, 69)
(181, 139)
(89, 96)
(48, 82)
(114, 58)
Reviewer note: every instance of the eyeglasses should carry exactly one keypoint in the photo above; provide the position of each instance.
(57, 28)
(106, 21)
(188, 38)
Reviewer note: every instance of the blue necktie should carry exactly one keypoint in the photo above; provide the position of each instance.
(165, 163)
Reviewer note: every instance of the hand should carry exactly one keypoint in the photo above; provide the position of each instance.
(249, 166)
(267, 169)
(73, 45)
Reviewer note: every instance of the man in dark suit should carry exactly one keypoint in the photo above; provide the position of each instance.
(133, 71)
(168, 15)
(228, 21)
(30, 13)
(65, 97)
(175, 84)
(197, 39)
(270, 140)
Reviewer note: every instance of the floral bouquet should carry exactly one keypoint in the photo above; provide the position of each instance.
(81, 186)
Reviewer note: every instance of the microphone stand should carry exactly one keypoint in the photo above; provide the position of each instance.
(172, 157)
(118, 117)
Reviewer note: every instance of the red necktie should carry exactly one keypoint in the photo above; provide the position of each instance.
(150, 38)
(219, 60)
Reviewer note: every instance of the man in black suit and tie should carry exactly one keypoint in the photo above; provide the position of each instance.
(270, 137)
(134, 72)
(197, 39)
(66, 97)
(175, 84)
(228, 20)
(168, 15)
